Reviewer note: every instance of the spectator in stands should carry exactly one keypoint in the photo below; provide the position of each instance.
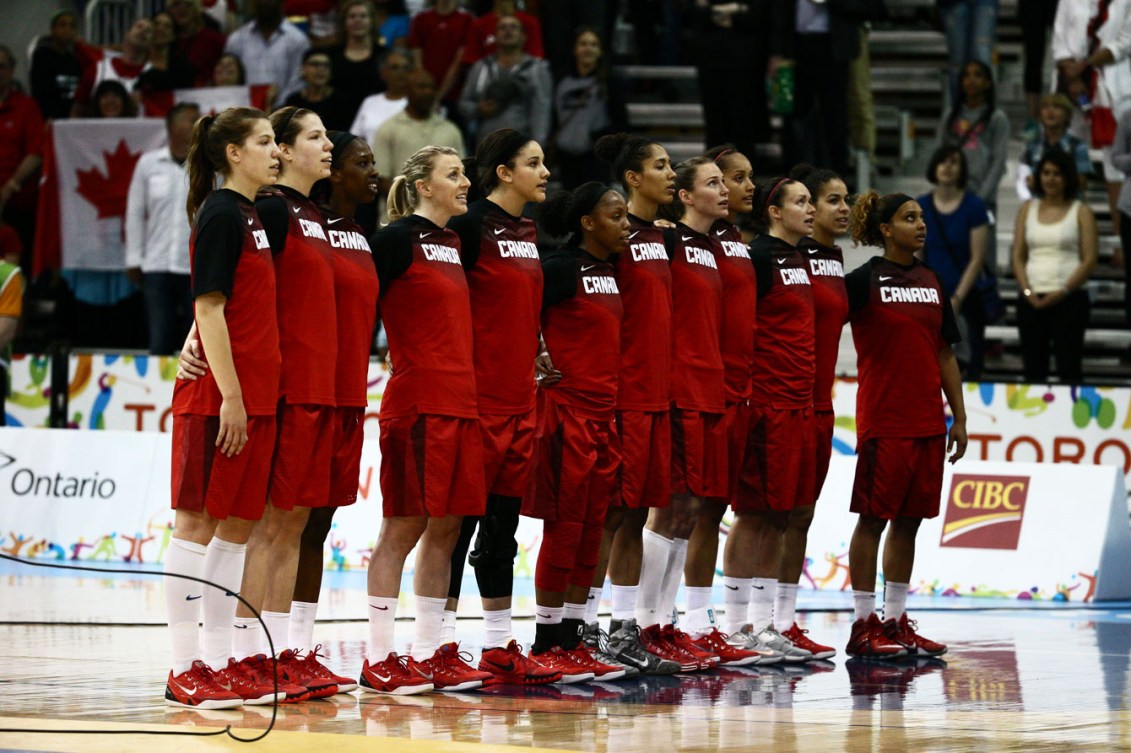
(416, 126)
(482, 39)
(11, 305)
(111, 100)
(229, 71)
(271, 49)
(198, 42)
(563, 15)
(391, 20)
(587, 105)
(376, 109)
(318, 95)
(356, 62)
(157, 233)
(1054, 253)
(1121, 158)
(55, 67)
(957, 229)
(436, 37)
(861, 105)
(168, 69)
(730, 40)
(125, 66)
(658, 46)
(971, 31)
(1056, 114)
(508, 89)
(21, 154)
(321, 19)
(1036, 17)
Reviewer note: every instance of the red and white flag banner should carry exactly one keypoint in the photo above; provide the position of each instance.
(212, 100)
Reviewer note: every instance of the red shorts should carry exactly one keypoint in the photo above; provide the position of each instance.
(205, 480)
(300, 471)
(508, 452)
(699, 453)
(646, 465)
(738, 439)
(431, 466)
(898, 477)
(577, 466)
(345, 457)
(823, 427)
(778, 472)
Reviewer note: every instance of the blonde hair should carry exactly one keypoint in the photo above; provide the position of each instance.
(403, 196)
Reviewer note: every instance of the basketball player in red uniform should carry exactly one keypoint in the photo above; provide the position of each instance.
(352, 183)
(223, 422)
(830, 303)
(644, 279)
(578, 451)
(431, 445)
(902, 324)
(777, 473)
(499, 251)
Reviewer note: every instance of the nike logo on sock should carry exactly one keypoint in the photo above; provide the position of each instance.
(383, 609)
(193, 598)
(733, 588)
(544, 616)
(760, 588)
(591, 597)
(240, 627)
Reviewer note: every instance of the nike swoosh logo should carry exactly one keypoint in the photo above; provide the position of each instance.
(686, 237)
(812, 251)
(884, 279)
(733, 588)
(425, 235)
(509, 667)
(240, 627)
(382, 678)
(296, 209)
(193, 598)
(499, 230)
(633, 234)
(760, 588)
(544, 616)
(782, 261)
(720, 232)
(185, 690)
(586, 269)
(592, 597)
(249, 222)
(383, 609)
(336, 219)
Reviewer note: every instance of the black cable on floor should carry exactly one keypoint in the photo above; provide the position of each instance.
(228, 729)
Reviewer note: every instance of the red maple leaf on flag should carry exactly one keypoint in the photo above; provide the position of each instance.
(107, 192)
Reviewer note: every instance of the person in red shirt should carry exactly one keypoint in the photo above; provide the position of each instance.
(199, 43)
(578, 450)
(223, 421)
(437, 36)
(499, 251)
(480, 40)
(431, 444)
(904, 329)
(21, 154)
(352, 183)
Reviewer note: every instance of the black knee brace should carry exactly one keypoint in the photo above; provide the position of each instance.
(495, 547)
(459, 555)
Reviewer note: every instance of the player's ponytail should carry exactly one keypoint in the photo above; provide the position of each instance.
(201, 174)
(624, 153)
(207, 154)
(400, 201)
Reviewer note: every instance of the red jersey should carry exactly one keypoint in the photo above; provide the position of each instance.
(581, 323)
(427, 314)
(504, 276)
(355, 297)
(740, 304)
(230, 254)
(830, 304)
(901, 319)
(784, 357)
(697, 316)
(439, 37)
(644, 278)
(304, 276)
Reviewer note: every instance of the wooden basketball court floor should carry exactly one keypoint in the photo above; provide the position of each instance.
(87, 653)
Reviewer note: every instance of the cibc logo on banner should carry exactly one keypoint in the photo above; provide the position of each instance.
(984, 512)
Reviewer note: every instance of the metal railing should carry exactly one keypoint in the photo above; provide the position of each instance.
(106, 21)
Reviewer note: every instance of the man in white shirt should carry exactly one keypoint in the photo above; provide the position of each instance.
(377, 108)
(157, 233)
(270, 49)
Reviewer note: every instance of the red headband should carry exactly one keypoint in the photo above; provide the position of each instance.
(771, 194)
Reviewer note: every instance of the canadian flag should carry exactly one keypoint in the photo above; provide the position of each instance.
(212, 100)
(87, 166)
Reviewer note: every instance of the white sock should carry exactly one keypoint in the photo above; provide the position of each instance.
(429, 619)
(698, 615)
(278, 630)
(895, 600)
(864, 603)
(762, 596)
(653, 565)
(448, 626)
(247, 637)
(223, 564)
(624, 602)
(499, 630)
(785, 606)
(573, 611)
(302, 625)
(382, 619)
(548, 615)
(182, 601)
(736, 601)
(593, 604)
(673, 575)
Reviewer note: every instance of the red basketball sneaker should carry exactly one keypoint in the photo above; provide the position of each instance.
(320, 670)
(508, 666)
(298, 672)
(196, 688)
(262, 670)
(655, 640)
(397, 675)
(565, 663)
(247, 686)
(800, 638)
(601, 671)
(729, 656)
(903, 631)
(683, 642)
(450, 672)
(869, 639)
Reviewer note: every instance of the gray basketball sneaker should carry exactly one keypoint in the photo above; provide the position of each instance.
(625, 646)
(791, 654)
(597, 641)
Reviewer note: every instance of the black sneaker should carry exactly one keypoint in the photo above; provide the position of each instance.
(597, 641)
(624, 645)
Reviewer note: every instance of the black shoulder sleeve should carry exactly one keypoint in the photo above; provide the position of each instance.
(272, 211)
(671, 240)
(559, 279)
(469, 228)
(858, 285)
(763, 268)
(950, 332)
(392, 253)
(216, 252)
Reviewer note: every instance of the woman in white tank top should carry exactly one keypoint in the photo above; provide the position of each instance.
(1054, 253)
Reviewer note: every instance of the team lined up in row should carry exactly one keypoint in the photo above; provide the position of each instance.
(630, 469)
